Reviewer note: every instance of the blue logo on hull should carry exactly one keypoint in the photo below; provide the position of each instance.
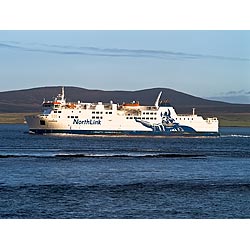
(167, 125)
(87, 122)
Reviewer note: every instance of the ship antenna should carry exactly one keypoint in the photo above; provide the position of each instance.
(62, 92)
(157, 100)
(63, 95)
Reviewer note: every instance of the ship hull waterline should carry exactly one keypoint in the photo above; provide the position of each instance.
(124, 133)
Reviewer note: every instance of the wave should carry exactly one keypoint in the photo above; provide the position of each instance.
(168, 155)
(192, 184)
(79, 155)
(23, 156)
(239, 136)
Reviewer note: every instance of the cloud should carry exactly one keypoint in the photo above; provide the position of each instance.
(235, 93)
(111, 52)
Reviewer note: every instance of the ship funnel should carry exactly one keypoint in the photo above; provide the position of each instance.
(157, 100)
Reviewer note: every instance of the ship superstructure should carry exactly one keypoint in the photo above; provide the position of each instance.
(60, 116)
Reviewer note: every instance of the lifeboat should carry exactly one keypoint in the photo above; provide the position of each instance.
(132, 104)
(71, 105)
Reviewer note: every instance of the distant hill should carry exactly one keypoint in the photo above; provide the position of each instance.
(30, 100)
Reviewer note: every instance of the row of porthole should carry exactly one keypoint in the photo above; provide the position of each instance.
(184, 119)
(78, 111)
(72, 116)
(100, 112)
(96, 117)
(149, 113)
(141, 118)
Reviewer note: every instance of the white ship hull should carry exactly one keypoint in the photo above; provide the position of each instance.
(130, 119)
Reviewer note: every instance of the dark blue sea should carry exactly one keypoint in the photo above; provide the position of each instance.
(63, 176)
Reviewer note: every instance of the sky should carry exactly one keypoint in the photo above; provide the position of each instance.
(211, 64)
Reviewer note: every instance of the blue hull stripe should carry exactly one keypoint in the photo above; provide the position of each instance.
(102, 132)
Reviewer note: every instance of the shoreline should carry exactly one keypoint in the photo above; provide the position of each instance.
(225, 120)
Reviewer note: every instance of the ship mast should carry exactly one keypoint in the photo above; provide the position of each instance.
(157, 100)
(62, 97)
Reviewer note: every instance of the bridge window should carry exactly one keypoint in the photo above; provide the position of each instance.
(42, 122)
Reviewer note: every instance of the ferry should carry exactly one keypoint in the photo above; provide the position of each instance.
(60, 116)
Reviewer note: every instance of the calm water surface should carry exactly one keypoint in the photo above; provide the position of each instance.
(66, 176)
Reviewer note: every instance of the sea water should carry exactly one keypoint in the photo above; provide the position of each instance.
(70, 176)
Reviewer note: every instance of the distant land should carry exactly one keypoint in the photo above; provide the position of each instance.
(17, 103)
(232, 99)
